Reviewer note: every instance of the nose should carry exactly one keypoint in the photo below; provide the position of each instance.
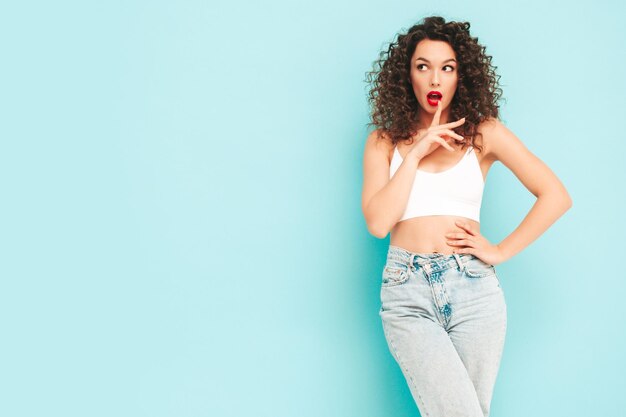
(435, 79)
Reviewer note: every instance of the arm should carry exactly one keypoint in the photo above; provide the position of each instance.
(552, 197)
(384, 200)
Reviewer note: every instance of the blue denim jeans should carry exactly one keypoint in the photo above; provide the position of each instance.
(444, 318)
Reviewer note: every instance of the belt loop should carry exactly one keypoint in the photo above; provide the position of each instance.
(459, 261)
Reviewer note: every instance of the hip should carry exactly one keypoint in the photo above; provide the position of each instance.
(463, 279)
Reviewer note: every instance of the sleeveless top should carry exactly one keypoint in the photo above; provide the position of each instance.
(457, 191)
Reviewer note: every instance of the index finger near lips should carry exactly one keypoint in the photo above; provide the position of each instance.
(437, 115)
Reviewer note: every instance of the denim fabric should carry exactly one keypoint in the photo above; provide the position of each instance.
(444, 319)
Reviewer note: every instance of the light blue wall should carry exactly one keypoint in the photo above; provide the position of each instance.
(181, 231)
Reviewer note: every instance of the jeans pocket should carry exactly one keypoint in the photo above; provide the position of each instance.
(395, 273)
(477, 268)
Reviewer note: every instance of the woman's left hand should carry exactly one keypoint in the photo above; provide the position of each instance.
(471, 241)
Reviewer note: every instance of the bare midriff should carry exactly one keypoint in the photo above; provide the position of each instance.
(427, 234)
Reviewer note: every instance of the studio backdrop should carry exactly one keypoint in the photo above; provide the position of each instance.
(181, 227)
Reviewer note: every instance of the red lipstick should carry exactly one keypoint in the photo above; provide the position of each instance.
(433, 97)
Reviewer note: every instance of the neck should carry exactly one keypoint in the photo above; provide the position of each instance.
(425, 118)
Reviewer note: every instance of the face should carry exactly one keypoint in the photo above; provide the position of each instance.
(433, 68)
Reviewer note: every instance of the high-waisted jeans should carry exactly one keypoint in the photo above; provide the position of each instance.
(444, 318)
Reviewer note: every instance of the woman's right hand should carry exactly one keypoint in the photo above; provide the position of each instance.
(435, 136)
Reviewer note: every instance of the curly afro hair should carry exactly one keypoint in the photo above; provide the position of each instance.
(391, 97)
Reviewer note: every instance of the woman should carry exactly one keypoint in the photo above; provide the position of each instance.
(442, 308)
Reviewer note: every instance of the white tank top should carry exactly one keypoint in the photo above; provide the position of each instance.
(457, 191)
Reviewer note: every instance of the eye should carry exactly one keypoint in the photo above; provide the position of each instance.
(450, 66)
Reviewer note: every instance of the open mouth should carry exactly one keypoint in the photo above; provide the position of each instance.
(433, 97)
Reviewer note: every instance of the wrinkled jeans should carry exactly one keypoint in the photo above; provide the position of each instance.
(444, 319)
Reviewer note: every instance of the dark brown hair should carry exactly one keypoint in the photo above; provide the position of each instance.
(393, 102)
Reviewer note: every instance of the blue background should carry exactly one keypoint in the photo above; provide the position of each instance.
(181, 231)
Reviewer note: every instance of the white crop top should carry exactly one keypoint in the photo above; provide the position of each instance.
(457, 191)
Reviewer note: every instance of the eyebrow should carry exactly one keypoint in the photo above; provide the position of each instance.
(424, 59)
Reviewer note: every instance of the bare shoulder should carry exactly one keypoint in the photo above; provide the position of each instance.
(502, 145)
(488, 130)
(378, 143)
(498, 141)
(376, 163)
